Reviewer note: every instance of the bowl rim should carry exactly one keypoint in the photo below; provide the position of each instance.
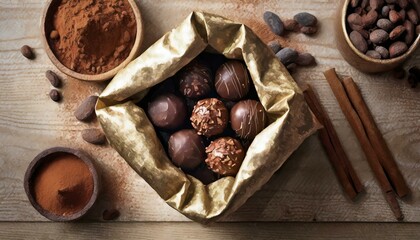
(135, 50)
(408, 53)
(39, 160)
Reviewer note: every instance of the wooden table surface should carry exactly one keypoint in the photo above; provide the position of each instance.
(305, 189)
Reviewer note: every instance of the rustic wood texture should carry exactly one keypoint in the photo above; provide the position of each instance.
(305, 189)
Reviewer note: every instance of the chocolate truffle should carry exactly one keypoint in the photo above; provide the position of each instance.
(232, 80)
(248, 118)
(204, 174)
(167, 111)
(195, 80)
(209, 117)
(225, 156)
(186, 149)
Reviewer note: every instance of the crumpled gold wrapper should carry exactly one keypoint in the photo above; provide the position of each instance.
(130, 132)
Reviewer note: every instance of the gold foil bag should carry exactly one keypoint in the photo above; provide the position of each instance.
(130, 132)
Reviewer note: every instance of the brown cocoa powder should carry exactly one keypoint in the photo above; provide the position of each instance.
(92, 37)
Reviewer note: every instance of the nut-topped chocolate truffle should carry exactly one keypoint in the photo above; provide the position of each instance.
(186, 149)
(232, 80)
(209, 117)
(195, 80)
(167, 111)
(225, 156)
(248, 118)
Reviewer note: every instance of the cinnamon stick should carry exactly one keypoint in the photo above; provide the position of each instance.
(359, 130)
(329, 139)
(376, 139)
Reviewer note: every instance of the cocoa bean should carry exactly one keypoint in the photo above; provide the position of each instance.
(308, 30)
(409, 27)
(397, 49)
(364, 3)
(291, 67)
(403, 3)
(364, 33)
(397, 32)
(385, 11)
(291, 25)
(413, 16)
(370, 18)
(383, 51)
(373, 54)
(27, 52)
(402, 15)
(376, 4)
(274, 46)
(53, 78)
(305, 59)
(110, 214)
(274, 23)
(93, 136)
(355, 21)
(359, 11)
(55, 95)
(398, 73)
(385, 24)
(378, 36)
(354, 3)
(306, 19)
(287, 56)
(391, 1)
(86, 110)
(392, 6)
(394, 16)
(358, 41)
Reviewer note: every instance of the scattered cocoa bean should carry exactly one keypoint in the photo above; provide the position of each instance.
(413, 16)
(394, 16)
(370, 18)
(53, 78)
(358, 41)
(355, 21)
(274, 46)
(409, 27)
(287, 56)
(308, 30)
(54, 34)
(378, 36)
(274, 23)
(305, 59)
(373, 54)
(291, 25)
(110, 214)
(385, 11)
(93, 136)
(291, 67)
(385, 24)
(86, 110)
(397, 49)
(398, 73)
(306, 19)
(27, 52)
(397, 32)
(55, 95)
(383, 51)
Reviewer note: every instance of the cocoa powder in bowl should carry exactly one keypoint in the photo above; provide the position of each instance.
(91, 36)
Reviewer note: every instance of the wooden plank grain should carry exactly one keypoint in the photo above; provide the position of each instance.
(305, 189)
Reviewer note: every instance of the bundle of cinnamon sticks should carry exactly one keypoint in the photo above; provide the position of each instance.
(371, 140)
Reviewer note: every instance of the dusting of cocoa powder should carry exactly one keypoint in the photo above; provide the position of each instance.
(92, 36)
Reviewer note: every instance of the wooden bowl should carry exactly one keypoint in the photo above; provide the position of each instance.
(46, 27)
(48, 155)
(359, 60)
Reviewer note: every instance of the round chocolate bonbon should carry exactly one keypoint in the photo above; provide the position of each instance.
(248, 118)
(167, 111)
(209, 117)
(186, 149)
(232, 80)
(195, 80)
(225, 156)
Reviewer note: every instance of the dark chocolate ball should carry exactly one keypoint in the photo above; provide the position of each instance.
(167, 111)
(186, 149)
(209, 117)
(232, 80)
(248, 118)
(225, 156)
(195, 80)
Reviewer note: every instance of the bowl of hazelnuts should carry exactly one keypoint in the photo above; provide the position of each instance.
(378, 35)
